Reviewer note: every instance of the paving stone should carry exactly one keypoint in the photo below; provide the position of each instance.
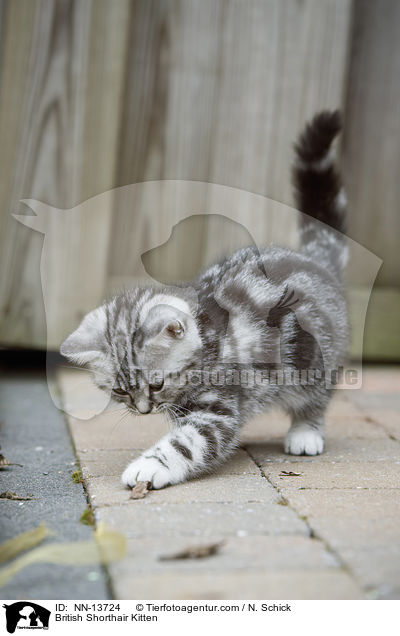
(80, 397)
(342, 405)
(108, 490)
(34, 435)
(384, 591)
(141, 519)
(381, 379)
(270, 585)
(240, 464)
(372, 401)
(269, 553)
(275, 424)
(321, 474)
(263, 428)
(363, 527)
(362, 449)
(357, 427)
(356, 519)
(272, 428)
(349, 496)
(105, 463)
(370, 504)
(99, 463)
(357, 532)
(110, 430)
(347, 450)
(96, 423)
(375, 566)
(387, 418)
(380, 389)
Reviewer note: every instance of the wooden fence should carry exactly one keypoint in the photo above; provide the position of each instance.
(96, 95)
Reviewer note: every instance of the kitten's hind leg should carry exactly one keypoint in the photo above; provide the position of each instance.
(305, 437)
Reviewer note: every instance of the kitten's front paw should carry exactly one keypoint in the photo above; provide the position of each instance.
(146, 469)
(304, 440)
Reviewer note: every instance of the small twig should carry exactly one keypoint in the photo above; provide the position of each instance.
(7, 494)
(194, 552)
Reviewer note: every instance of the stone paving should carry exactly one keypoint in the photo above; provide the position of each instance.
(330, 532)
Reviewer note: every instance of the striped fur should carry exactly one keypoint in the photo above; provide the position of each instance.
(193, 352)
(319, 192)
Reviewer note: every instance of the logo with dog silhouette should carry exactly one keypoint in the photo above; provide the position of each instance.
(26, 615)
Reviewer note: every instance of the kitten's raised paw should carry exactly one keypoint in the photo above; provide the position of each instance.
(304, 440)
(146, 469)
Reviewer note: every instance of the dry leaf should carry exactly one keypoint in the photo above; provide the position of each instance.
(4, 463)
(140, 490)
(290, 473)
(194, 552)
(24, 541)
(108, 546)
(7, 494)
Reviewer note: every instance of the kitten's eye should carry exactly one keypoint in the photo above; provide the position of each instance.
(157, 385)
(118, 391)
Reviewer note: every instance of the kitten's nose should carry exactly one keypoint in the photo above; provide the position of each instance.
(143, 405)
(142, 410)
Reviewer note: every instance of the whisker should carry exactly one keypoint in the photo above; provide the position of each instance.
(72, 366)
(124, 415)
(176, 413)
(180, 410)
(170, 418)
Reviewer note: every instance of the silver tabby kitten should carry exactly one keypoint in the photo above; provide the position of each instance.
(258, 312)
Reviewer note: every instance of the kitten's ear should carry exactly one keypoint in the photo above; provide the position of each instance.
(86, 343)
(164, 324)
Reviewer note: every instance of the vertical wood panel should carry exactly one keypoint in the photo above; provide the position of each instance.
(101, 93)
(217, 91)
(372, 133)
(16, 242)
(64, 152)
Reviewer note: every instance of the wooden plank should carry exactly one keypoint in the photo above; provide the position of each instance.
(70, 88)
(380, 340)
(217, 91)
(178, 215)
(18, 245)
(372, 132)
(209, 91)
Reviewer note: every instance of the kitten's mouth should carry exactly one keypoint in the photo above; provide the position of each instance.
(132, 409)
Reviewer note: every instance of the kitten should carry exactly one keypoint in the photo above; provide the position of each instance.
(258, 311)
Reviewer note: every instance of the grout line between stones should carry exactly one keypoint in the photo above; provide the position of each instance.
(103, 566)
(382, 427)
(312, 533)
(283, 500)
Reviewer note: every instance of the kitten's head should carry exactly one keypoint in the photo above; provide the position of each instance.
(137, 346)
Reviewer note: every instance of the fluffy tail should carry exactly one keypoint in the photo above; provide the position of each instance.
(317, 182)
(318, 187)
